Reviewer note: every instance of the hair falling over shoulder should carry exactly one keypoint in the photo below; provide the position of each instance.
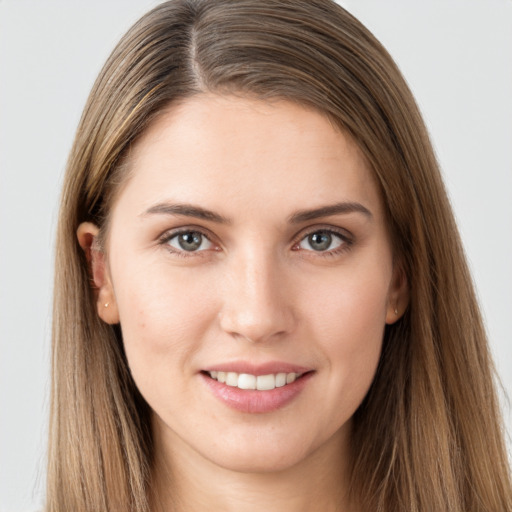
(428, 436)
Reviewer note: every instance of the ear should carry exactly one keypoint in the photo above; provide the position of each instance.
(87, 234)
(398, 298)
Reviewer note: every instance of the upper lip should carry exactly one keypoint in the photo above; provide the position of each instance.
(271, 367)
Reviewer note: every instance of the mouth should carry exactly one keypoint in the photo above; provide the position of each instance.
(257, 389)
(247, 381)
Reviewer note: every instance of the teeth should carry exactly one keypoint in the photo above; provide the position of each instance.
(232, 379)
(280, 380)
(265, 382)
(248, 381)
(290, 377)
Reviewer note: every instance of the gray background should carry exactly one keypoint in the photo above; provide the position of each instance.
(456, 55)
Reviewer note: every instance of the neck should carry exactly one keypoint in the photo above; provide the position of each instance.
(183, 480)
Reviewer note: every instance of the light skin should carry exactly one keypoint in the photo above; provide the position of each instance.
(291, 263)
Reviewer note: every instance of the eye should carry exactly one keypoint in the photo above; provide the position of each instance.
(189, 241)
(322, 240)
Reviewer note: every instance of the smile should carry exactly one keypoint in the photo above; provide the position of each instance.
(248, 381)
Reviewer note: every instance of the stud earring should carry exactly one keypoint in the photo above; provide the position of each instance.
(396, 311)
(108, 303)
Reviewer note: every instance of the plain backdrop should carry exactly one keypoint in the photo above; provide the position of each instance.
(456, 56)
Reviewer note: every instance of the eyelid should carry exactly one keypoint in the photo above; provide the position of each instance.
(342, 233)
(167, 235)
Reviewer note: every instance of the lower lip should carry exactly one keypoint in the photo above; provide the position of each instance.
(253, 401)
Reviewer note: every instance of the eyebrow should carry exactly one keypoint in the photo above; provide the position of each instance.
(327, 211)
(187, 210)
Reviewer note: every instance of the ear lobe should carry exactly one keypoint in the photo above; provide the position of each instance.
(398, 298)
(97, 266)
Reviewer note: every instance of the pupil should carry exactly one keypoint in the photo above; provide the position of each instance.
(190, 241)
(320, 241)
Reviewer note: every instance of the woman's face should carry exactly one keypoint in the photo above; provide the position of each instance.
(249, 244)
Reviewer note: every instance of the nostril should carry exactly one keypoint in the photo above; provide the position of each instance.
(256, 319)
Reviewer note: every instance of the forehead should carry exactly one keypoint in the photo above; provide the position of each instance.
(226, 151)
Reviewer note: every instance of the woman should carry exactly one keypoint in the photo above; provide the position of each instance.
(261, 297)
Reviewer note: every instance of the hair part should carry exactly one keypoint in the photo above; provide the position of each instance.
(428, 434)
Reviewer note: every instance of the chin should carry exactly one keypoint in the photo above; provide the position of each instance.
(272, 460)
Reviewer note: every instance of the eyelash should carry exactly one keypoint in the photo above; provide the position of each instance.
(346, 245)
(346, 239)
(169, 235)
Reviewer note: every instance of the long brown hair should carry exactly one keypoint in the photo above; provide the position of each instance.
(428, 434)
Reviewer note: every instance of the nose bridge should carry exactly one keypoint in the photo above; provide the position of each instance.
(256, 305)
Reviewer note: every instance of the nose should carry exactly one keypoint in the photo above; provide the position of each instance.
(257, 299)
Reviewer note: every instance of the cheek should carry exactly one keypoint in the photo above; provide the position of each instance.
(349, 322)
(163, 318)
(351, 306)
